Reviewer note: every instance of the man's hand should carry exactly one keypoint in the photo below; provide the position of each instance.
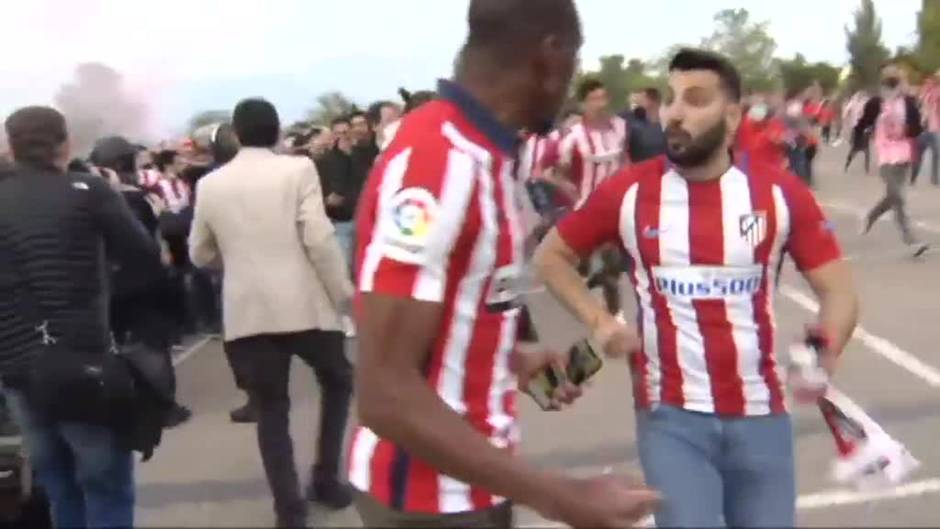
(157, 204)
(615, 337)
(528, 360)
(810, 391)
(334, 200)
(606, 502)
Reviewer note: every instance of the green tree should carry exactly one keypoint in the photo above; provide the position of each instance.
(748, 45)
(797, 74)
(330, 106)
(614, 76)
(928, 28)
(620, 79)
(208, 117)
(866, 51)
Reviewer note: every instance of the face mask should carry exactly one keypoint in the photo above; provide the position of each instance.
(639, 113)
(758, 112)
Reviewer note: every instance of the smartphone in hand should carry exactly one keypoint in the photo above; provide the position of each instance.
(583, 363)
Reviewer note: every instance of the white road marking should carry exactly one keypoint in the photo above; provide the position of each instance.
(824, 500)
(879, 345)
(835, 498)
(859, 212)
(191, 350)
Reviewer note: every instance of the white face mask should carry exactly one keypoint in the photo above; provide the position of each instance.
(758, 112)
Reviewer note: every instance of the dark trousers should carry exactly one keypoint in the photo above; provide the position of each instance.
(265, 363)
(861, 143)
(375, 514)
(894, 177)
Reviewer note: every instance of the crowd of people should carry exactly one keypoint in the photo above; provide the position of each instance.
(262, 235)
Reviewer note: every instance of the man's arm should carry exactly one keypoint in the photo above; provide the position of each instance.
(838, 306)
(556, 264)
(203, 249)
(813, 246)
(576, 237)
(319, 239)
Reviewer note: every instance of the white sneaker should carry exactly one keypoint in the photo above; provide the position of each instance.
(349, 328)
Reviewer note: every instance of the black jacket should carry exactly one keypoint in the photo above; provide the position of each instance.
(57, 235)
(873, 110)
(345, 175)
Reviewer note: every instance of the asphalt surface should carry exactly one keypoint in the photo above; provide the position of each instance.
(208, 473)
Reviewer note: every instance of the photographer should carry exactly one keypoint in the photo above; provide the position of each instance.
(54, 304)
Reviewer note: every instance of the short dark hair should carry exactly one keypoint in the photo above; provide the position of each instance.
(35, 135)
(653, 94)
(507, 30)
(256, 123)
(416, 99)
(689, 59)
(77, 165)
(339, 120)
(587, 86)
(358, 114)
(374, 112)
(164, 158)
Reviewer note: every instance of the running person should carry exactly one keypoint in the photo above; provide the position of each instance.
(703, 240)
(591, 152)
(440, 246)
(897, 124)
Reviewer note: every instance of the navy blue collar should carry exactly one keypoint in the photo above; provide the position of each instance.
(481, 118)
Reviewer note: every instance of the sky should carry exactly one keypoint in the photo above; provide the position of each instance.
(183, 56)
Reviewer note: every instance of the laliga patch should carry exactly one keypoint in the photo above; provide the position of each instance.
(412, 214)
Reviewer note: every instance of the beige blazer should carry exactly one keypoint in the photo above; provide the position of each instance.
(261, 219)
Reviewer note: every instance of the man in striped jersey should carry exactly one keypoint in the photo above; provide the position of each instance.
(591, 152)
(439, 256)
(704, 239)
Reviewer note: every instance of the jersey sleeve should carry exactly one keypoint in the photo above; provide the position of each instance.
(812, 240)
(424, 192)
(597, 222)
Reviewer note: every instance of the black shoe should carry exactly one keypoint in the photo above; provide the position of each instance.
(920, 250)
(244, 415)
(177, 416)
(331, 494)
(293, 520)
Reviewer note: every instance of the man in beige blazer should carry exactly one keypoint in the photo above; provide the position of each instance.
(286, 286)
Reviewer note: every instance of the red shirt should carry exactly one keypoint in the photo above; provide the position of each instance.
(762, 141)
(439, 221)
(703, 258)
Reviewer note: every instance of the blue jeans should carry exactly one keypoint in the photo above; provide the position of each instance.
(714, 471)
(346, 234)
(87, 475)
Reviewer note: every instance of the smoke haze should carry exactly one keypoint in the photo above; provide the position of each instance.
(96, 103)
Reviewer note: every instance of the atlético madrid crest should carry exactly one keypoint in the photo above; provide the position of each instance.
(754, 228)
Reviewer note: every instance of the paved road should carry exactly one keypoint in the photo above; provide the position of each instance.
(208, 472)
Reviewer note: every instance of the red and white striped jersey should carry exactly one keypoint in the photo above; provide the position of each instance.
(538, 153)
(149, 178)
(175, 192)
(439, 222)
(703, 259)
(594, 154)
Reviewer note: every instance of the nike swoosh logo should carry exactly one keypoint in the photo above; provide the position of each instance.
(650, 232)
